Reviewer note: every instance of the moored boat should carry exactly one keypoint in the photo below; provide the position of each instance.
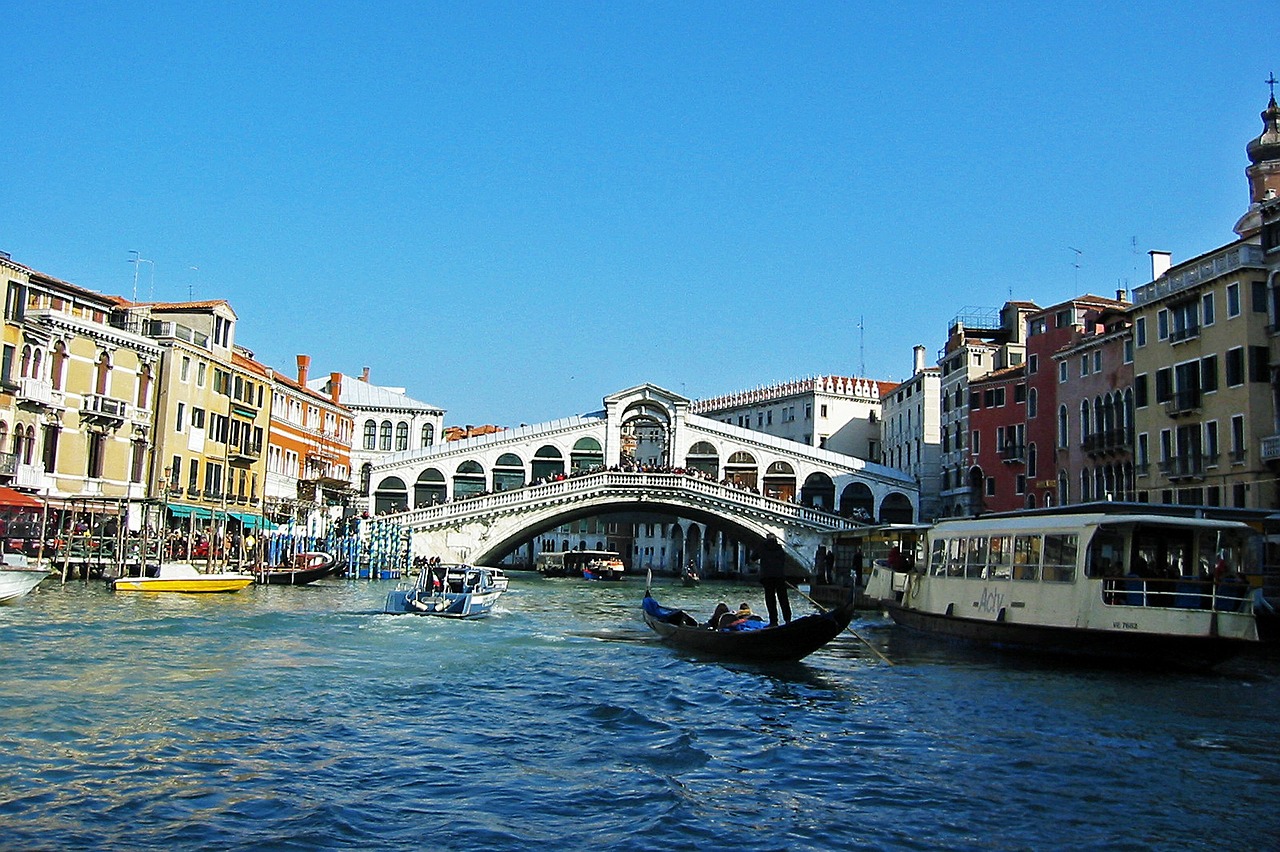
(180, 577)
(306, 568)
(1156, 589)
(18, 577)
(453, 590)
(743, 638)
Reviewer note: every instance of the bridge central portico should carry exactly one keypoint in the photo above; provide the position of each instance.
(481, 498)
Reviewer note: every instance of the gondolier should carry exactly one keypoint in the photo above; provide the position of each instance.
(773, 576)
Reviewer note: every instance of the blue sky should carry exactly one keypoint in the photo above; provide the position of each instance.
(513, 210)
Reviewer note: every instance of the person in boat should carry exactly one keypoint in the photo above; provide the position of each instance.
(721, 610)
(773, 577)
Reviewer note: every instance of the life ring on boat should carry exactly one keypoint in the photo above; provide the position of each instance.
(912, 590)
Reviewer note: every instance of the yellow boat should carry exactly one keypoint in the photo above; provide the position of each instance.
(183, 578)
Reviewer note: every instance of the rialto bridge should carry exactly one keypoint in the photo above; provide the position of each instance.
(482, 498)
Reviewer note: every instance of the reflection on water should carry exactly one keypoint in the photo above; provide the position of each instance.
(304, 717)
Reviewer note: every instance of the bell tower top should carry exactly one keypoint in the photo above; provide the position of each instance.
(1263, 171)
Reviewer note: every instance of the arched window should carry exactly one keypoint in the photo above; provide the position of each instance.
(370, 435)
(386, 435)
(1084, 420)
(428, 434)
(144, 388)
(1033, 402)
(1063, 494)
(1062, 430)
(59, 364)
(402, 436)
(1031, 460)
(102, 376)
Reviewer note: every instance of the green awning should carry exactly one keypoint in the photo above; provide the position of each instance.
(251, 522)
(180, 511)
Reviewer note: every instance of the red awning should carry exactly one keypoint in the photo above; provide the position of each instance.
(10, 497)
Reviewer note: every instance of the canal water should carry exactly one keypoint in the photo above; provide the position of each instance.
(301, 718)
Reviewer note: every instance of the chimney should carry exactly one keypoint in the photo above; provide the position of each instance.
(1160, 263)
(917, 360)
(335, 386)
(364, 377)
(1122, 294)
(304, 364)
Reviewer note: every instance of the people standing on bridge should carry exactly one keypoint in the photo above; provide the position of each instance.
(773, 577)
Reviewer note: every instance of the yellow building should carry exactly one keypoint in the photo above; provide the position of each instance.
(212, 413)
(76, 397)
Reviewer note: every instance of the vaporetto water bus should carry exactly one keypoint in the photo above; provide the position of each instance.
(1130, 586)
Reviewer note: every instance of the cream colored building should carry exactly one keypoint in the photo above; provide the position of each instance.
(77, 395)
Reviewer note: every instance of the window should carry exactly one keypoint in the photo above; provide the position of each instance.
(1237, 439)
(1032, 402)
(182, 412)
(197, 417)
(384, 436)
(1259, 369)
(1140, 391)
(1062, 371)
(1140, 331)
(1097, 361)
(1062, 427)
(402, 436)
(428, 434)
(1144, 452)
(185, 372)
(1128, 350)
(1164, 384)
(1258, 297)
(370, 435)
(977, 442)
(991, 486)
(1233, 300)
(1209, 373)
(1060, 558)
(1084, 365)
(1033, 363)
(1211, 442)
(1235, 366)
(1162, 325)
(1206, 308)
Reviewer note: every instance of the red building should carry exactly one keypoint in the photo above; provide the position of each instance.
(997, 459)
(1056, 454)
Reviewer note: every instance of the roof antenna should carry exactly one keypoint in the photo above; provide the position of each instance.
(1076, 264)
(862, 357)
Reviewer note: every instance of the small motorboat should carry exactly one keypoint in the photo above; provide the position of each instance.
(744, 638)
(181, 577)
(454, 590)
(18, 577)
(306, 568)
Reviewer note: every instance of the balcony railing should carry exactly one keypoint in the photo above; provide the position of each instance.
(1011, 453)
(1183, 467)
(8, 464)
(247, 451)
(1183, 402)
(1270, 448)
(104, 406)
(1108, 441)
(38, 391)
(1178, 335)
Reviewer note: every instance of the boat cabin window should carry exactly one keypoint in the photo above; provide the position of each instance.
(1106, 554)
(1060, 557)
(976, 563)
(999, 557)
(1026, 557)
(938, 557)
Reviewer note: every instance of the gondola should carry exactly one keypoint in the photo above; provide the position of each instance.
(785, 643)
(307, 568)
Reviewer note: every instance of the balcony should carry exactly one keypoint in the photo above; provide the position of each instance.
(103, 407)
(1183, 402)
(38, 392)
(1178, 335)
(29, 476)
(1108, 442)
(246, 451)
(159, 329)
(1192, 273)
(1270, 448)
(1011, 453)
(1183, 467)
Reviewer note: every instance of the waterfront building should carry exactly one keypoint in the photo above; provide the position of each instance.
(387, 424)
(212, 415)
(308, 477)
(76, 396)
(912, 431)
(837, 413)
(997, 445)
(1202, 359)
(979, 341)
(1078, 364)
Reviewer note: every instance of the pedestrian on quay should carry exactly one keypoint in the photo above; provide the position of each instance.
(774, 579)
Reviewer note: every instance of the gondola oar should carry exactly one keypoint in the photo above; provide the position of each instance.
(850, 629)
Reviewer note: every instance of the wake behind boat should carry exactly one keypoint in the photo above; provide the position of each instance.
(453, 590)
(18, 577)
(738, 637)
(1159, 589)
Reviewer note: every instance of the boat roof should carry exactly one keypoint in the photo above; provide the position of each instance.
(1074, 520)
